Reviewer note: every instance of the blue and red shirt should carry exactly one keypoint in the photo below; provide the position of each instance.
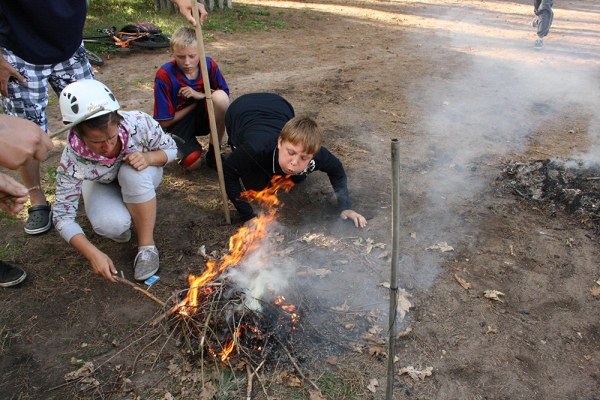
(170, 78)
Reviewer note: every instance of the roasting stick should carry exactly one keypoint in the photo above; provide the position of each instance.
(211, 110)
(139, 289)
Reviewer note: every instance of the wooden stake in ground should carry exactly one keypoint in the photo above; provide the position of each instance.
(214, 137)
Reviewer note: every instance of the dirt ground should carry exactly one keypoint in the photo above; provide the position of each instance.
(459, 84)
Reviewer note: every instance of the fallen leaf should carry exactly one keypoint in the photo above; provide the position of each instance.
(169, 396)
(442, 246)
(415, 374)
(377, 351)
(373, 383)
(403, 303)
(208, 392)
(413, 235)
(286, 251)
(492, 330)
(404, 333)
(349, 326)
(370, 338)
(202, 251)
(384, 254)
(369, 248)
(343, 308)
(322, 272)
(587, 357)
(86, 369)
(356, 347)
(331, 360)
(466, 285)
(279, 238)
(595, 291)
(385, 284)
(316, 395)
(375, 330)
(493, 295)
(291, 380)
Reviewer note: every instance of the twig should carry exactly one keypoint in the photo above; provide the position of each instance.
(138, 355)
(250, 375)
(260, 380)
(294, 363)
(139, 289)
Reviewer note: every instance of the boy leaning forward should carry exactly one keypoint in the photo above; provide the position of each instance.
(267, 139)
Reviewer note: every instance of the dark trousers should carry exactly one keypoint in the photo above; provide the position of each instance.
(543, 9)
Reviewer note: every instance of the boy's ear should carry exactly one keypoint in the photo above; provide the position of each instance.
(279, 142)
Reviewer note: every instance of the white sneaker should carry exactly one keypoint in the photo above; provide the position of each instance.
(123, 237)
(146, 263)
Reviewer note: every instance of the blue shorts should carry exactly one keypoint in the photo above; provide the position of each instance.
(28, 100)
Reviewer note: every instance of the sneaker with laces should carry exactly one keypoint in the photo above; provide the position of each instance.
(11, 276)
(146, 263)
(538, 44)
(123, 237)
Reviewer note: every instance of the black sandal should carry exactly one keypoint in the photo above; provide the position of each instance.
(40, 219)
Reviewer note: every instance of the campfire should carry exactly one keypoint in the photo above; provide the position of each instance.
(226, 320)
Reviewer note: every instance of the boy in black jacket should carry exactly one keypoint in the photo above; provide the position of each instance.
(268, 140)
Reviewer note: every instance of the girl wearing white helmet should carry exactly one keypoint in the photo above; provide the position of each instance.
(115, 161)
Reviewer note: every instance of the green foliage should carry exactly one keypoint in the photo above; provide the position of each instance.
(334, 387)
(119, 13)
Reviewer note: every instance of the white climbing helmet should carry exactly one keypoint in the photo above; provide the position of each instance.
(81, 97)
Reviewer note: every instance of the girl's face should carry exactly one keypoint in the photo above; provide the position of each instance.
(187, 59)
(104, 143)
(292, 157)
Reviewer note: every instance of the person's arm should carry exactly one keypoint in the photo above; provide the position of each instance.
(185, 8)
(240, 160)
(102, 265)
(158, 147)
(331, 165)
(21, 141)
(6, 72)
(12, 195)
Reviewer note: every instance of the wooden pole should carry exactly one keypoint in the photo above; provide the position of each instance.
(211, 110)
(395, 265)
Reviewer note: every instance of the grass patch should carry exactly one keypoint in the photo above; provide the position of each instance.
(334, 387)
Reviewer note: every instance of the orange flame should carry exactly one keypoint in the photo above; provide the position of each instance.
(245, 240)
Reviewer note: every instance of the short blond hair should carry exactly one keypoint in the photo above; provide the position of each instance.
(305, 131)
(183, 37)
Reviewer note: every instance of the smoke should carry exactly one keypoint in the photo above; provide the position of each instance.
(262, 274)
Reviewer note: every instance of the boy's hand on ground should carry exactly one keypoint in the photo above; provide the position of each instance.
(358, 219)
(137, 160)
(188, 93)
(14, 195)
(103, 265)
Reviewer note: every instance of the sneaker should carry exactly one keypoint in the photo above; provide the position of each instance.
(123, 237)
(146, 263)
(538, 44)
(535, 22)
(10, 276)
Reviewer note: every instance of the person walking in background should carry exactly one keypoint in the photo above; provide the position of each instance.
(33, 144)
(542, 20)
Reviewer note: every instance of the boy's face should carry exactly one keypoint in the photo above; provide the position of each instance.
(292, 157)
(187, 58)
(106, 143)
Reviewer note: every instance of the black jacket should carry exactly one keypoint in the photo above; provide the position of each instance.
(254, 122)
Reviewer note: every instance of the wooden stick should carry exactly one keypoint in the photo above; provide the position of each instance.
(211, 110)
(250, 375)
(77, 121)
(139, 289)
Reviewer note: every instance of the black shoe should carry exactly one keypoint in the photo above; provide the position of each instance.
(10, 276)
(211, 161)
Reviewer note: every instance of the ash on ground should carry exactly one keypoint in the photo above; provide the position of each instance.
(572, 186)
